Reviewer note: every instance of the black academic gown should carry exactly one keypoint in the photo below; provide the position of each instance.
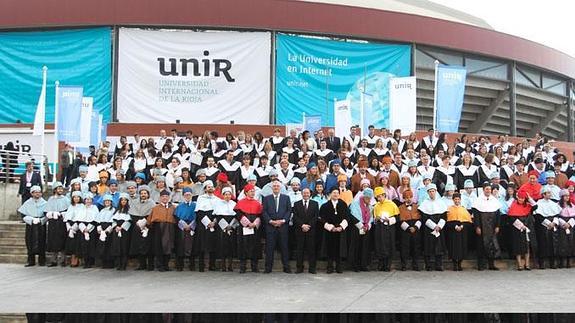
(335, 243)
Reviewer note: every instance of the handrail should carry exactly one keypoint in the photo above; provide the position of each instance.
(11, 164)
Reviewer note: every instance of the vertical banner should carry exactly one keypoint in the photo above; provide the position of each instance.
(311, 72)
(342, 117)
(402, 104)
(95, 131)
(69, 113)
(74, 56)
(193, 76)
(312, 123)
(86, 123)
(450, 87)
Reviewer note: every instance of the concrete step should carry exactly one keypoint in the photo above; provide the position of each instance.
(12, 259)
(13, 318)
(12, 225)
(12, 234)
(19, 249)
(12, 241)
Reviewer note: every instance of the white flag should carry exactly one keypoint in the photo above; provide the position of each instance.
(40, 117)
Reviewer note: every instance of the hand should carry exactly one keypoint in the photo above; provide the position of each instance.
(211, 225)
(437, 228)
(566, 226)
(458, 228)
(412, 230)
(118, 229)
(252, 225)
(497, 230)
(478, 231)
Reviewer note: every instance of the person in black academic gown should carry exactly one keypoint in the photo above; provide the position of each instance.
(334, 216)
(305, 215)
(120, 237)
(55, 210)
(32, 211)
(457, 226)
(486, 220)
(433, 213)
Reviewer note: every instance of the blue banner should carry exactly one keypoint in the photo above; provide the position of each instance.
(450, 89)
(80, 56)
(69, 113)
(312, 124)
(95, 130)
(311, 73)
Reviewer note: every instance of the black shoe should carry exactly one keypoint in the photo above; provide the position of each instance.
(428, 268)
(356, 270)
(312, 271)
(29, 264)
(267, 271)
(242, 270)
(201, 269)
(329, 270)
(339, 270)
(52, 264)
(179, 268)
(256, 270)
(364, 269)
(459, 268)
(230, 268)
(438, 268)
(403, 267)
(212, 268)
(41, 263)
(287, 271)
(299, 271)
(161, 269)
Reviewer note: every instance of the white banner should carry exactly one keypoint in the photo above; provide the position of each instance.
(193, 77)
(402, 104)
(342, 117)
(86, 122)
(28, 146)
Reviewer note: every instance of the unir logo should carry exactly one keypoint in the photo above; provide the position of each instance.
(199, 67)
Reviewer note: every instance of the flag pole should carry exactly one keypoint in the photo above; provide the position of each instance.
(56, 142)
(434, 126)
(43, 134)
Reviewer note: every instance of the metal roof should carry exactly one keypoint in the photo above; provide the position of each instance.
(414, 7)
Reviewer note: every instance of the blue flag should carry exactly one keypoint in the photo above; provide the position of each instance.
(312, 123)
(450, 87)
(69, 113)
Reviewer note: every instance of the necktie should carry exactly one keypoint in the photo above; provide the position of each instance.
(277, 203)
(305, 205)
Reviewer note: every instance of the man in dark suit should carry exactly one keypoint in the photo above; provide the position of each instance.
(276, 216)
(27, 180)
(305, 215)
(66, 161)
(333, 142)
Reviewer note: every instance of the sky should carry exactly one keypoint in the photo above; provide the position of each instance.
(545, 22)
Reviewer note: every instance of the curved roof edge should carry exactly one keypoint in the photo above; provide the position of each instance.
(286, 15)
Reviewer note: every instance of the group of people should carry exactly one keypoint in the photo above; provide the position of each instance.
(355, 201)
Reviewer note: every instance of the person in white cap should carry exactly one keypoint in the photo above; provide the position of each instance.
(207, 237)
(32, 212)
(55, 210)
(433, 214)
(227, 225)
(87, 235)
(104, 229)
(486, 219)
(546, 228)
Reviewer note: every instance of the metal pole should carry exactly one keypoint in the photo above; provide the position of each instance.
(56, 142)
(273, 62)
(433, 126)
(512, 99)
(43, 136)
(569, 90)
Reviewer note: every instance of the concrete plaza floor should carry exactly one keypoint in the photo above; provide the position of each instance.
(41, 289)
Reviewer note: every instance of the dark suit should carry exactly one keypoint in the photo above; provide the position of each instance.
(275, 234)
(333, 143)
(67, 164)
(305, 240)
(24, 189)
